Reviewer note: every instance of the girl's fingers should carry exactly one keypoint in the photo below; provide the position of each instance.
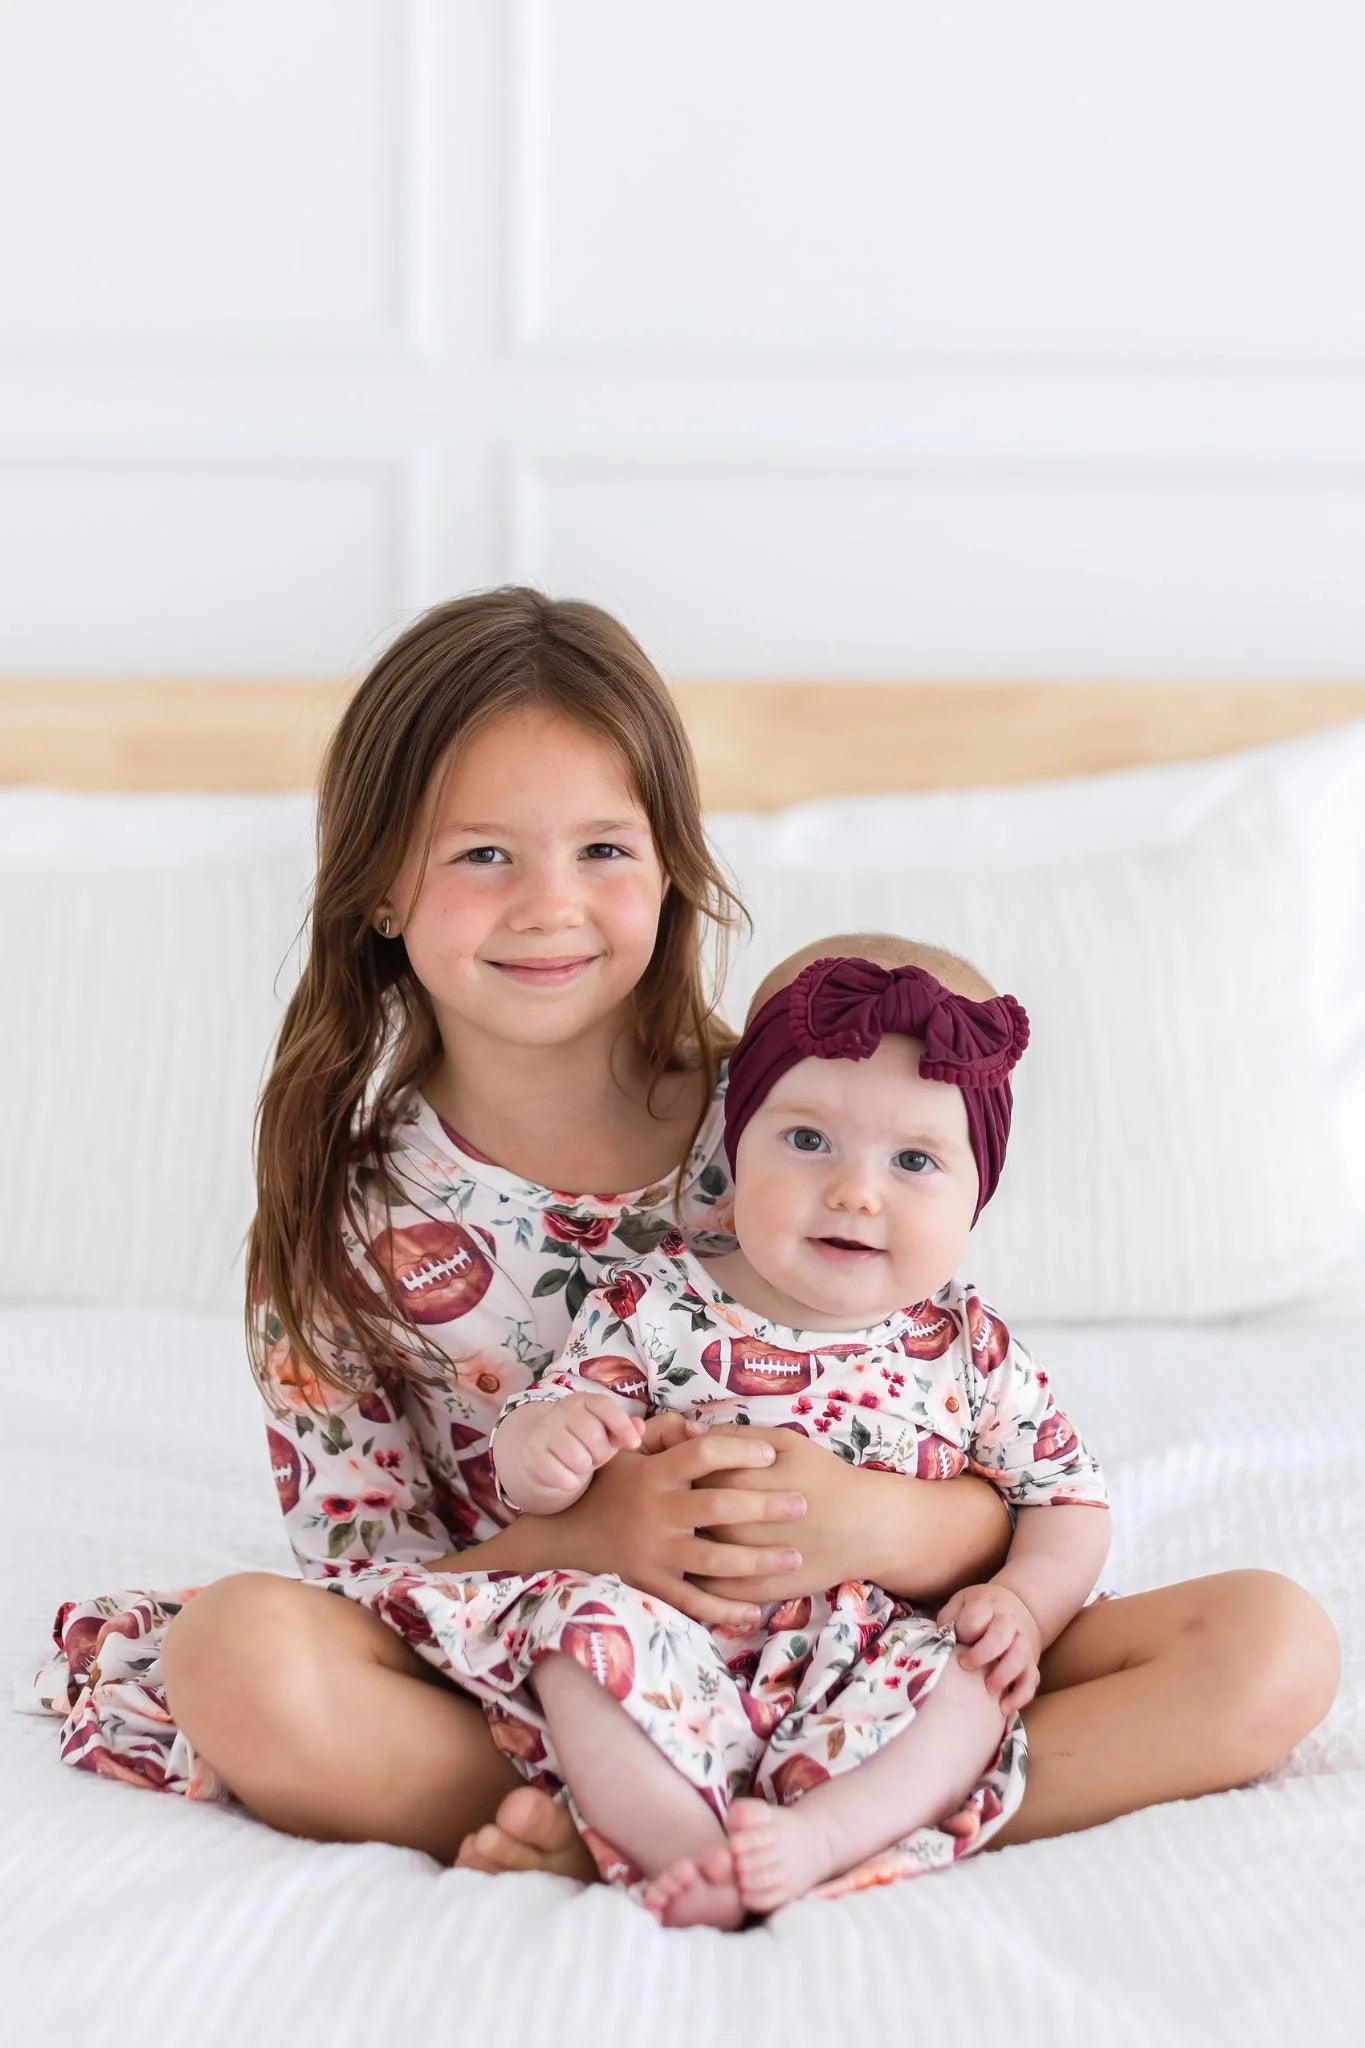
(734, 1561)
(717, 1452)
(709, 1608)
(662, 1432)
(724, 1505)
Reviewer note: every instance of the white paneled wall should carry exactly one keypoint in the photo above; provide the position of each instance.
(886, 338)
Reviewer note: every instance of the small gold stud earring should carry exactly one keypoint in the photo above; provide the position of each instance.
(385, 927)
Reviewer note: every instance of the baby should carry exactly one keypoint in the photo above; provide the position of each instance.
(725, 1773)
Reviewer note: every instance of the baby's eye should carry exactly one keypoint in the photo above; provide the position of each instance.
(916, 1162)
(804, 1139)
(481, 856)
(601, 849)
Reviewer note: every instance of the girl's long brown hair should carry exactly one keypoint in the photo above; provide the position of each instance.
(359, 1030)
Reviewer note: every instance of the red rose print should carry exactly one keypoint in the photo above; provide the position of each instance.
(1056, 1438)
(339, 1507)
(438, 1270)
(286, 1468)
(588, 1233)
(622, 1375)
(515, 1737)
(936, 1458)
(744, 1365)
(624, 1293)
(928, 1332)
(986, 1334)
(601, 1646)
(799, 1774)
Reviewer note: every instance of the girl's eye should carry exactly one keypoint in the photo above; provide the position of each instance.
(482, 856)
(600, 850)
(804, 1139)
(915, 1162)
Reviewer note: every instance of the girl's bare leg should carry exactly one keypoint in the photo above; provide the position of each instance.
(920, 1776)
(1190, 1689)
(630, 1792)
(324, 1723)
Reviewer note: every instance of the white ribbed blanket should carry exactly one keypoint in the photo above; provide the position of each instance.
(135, 1459)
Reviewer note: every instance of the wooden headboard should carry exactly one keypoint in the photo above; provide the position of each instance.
(759, 744)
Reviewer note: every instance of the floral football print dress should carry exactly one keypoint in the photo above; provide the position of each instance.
(931, 1392)
(493, 1269)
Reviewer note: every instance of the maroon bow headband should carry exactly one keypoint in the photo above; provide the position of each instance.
(841, 1009)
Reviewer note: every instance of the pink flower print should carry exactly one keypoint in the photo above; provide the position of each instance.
(388, 1461)
(804, 1404)
(339, 1507)
(482, 1376)
(868, 1400)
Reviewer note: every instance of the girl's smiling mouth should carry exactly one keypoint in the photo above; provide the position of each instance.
(545, 973)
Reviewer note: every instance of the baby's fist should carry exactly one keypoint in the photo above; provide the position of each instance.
(997, 1636)
(547, 1452)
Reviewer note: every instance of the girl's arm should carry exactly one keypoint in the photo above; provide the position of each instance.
(351, 1480)
(919, 1538)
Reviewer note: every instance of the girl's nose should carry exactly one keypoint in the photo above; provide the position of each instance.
(547, 902)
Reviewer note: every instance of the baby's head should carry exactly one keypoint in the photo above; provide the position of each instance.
(866, 1120)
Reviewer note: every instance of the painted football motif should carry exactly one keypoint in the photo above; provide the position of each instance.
(798, 1775)
(936, 1458)
(601, 1646)
(286, 1469)
(438, 1270)
(619, 1375)
(986, 1334)
(745, 1365)
(929, 1332)
(1056, 1437)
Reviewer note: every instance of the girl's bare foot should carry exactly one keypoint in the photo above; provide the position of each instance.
(697, 1893)
(531, 1832)
(780, 1852)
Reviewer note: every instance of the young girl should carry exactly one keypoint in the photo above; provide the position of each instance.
(866, 1122)
(501, 1015)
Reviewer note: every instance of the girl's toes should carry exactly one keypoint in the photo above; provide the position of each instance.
(533, 1832)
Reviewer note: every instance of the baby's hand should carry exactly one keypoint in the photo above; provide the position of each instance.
(997, 1636)
(547, 1452)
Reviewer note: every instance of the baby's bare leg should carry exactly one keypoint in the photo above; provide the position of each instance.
(919, 1777)
(630, 1792)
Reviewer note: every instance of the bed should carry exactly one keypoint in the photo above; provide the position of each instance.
(136, 1459)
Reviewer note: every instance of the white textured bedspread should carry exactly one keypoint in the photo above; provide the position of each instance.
(135, 1458)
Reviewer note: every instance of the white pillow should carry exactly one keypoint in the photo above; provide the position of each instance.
(151, 943)
(1172, 1154)
(1319, 782)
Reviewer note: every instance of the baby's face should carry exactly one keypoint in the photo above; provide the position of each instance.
(855, 1186)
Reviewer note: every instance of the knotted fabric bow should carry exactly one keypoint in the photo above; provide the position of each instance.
(840, 1009)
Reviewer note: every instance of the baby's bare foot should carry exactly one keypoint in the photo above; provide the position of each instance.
(531, 1832)
(697, 1893)
(780, 1852)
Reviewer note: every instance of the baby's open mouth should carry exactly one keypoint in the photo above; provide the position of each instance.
(848, 1246)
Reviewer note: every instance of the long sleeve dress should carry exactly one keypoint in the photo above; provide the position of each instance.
(396, 1470)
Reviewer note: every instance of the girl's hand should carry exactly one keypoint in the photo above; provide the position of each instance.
(1004, 1641)
(920, 1538)
(647, 1518)
(547, 1452)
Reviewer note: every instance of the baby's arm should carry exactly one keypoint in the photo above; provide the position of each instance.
(546, 1452)
(551, 1439)
(1023, 1441)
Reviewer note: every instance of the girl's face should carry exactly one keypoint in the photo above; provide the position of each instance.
(855, 1187)
(537, 914)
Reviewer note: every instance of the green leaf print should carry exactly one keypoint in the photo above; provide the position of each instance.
(640, 1233)
(551, 1282)
(340, 1539)
(336, 1438)
(303, 1424)
(372, 1535)
(577, 1291)
(712, 1182)
(860, 1433)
